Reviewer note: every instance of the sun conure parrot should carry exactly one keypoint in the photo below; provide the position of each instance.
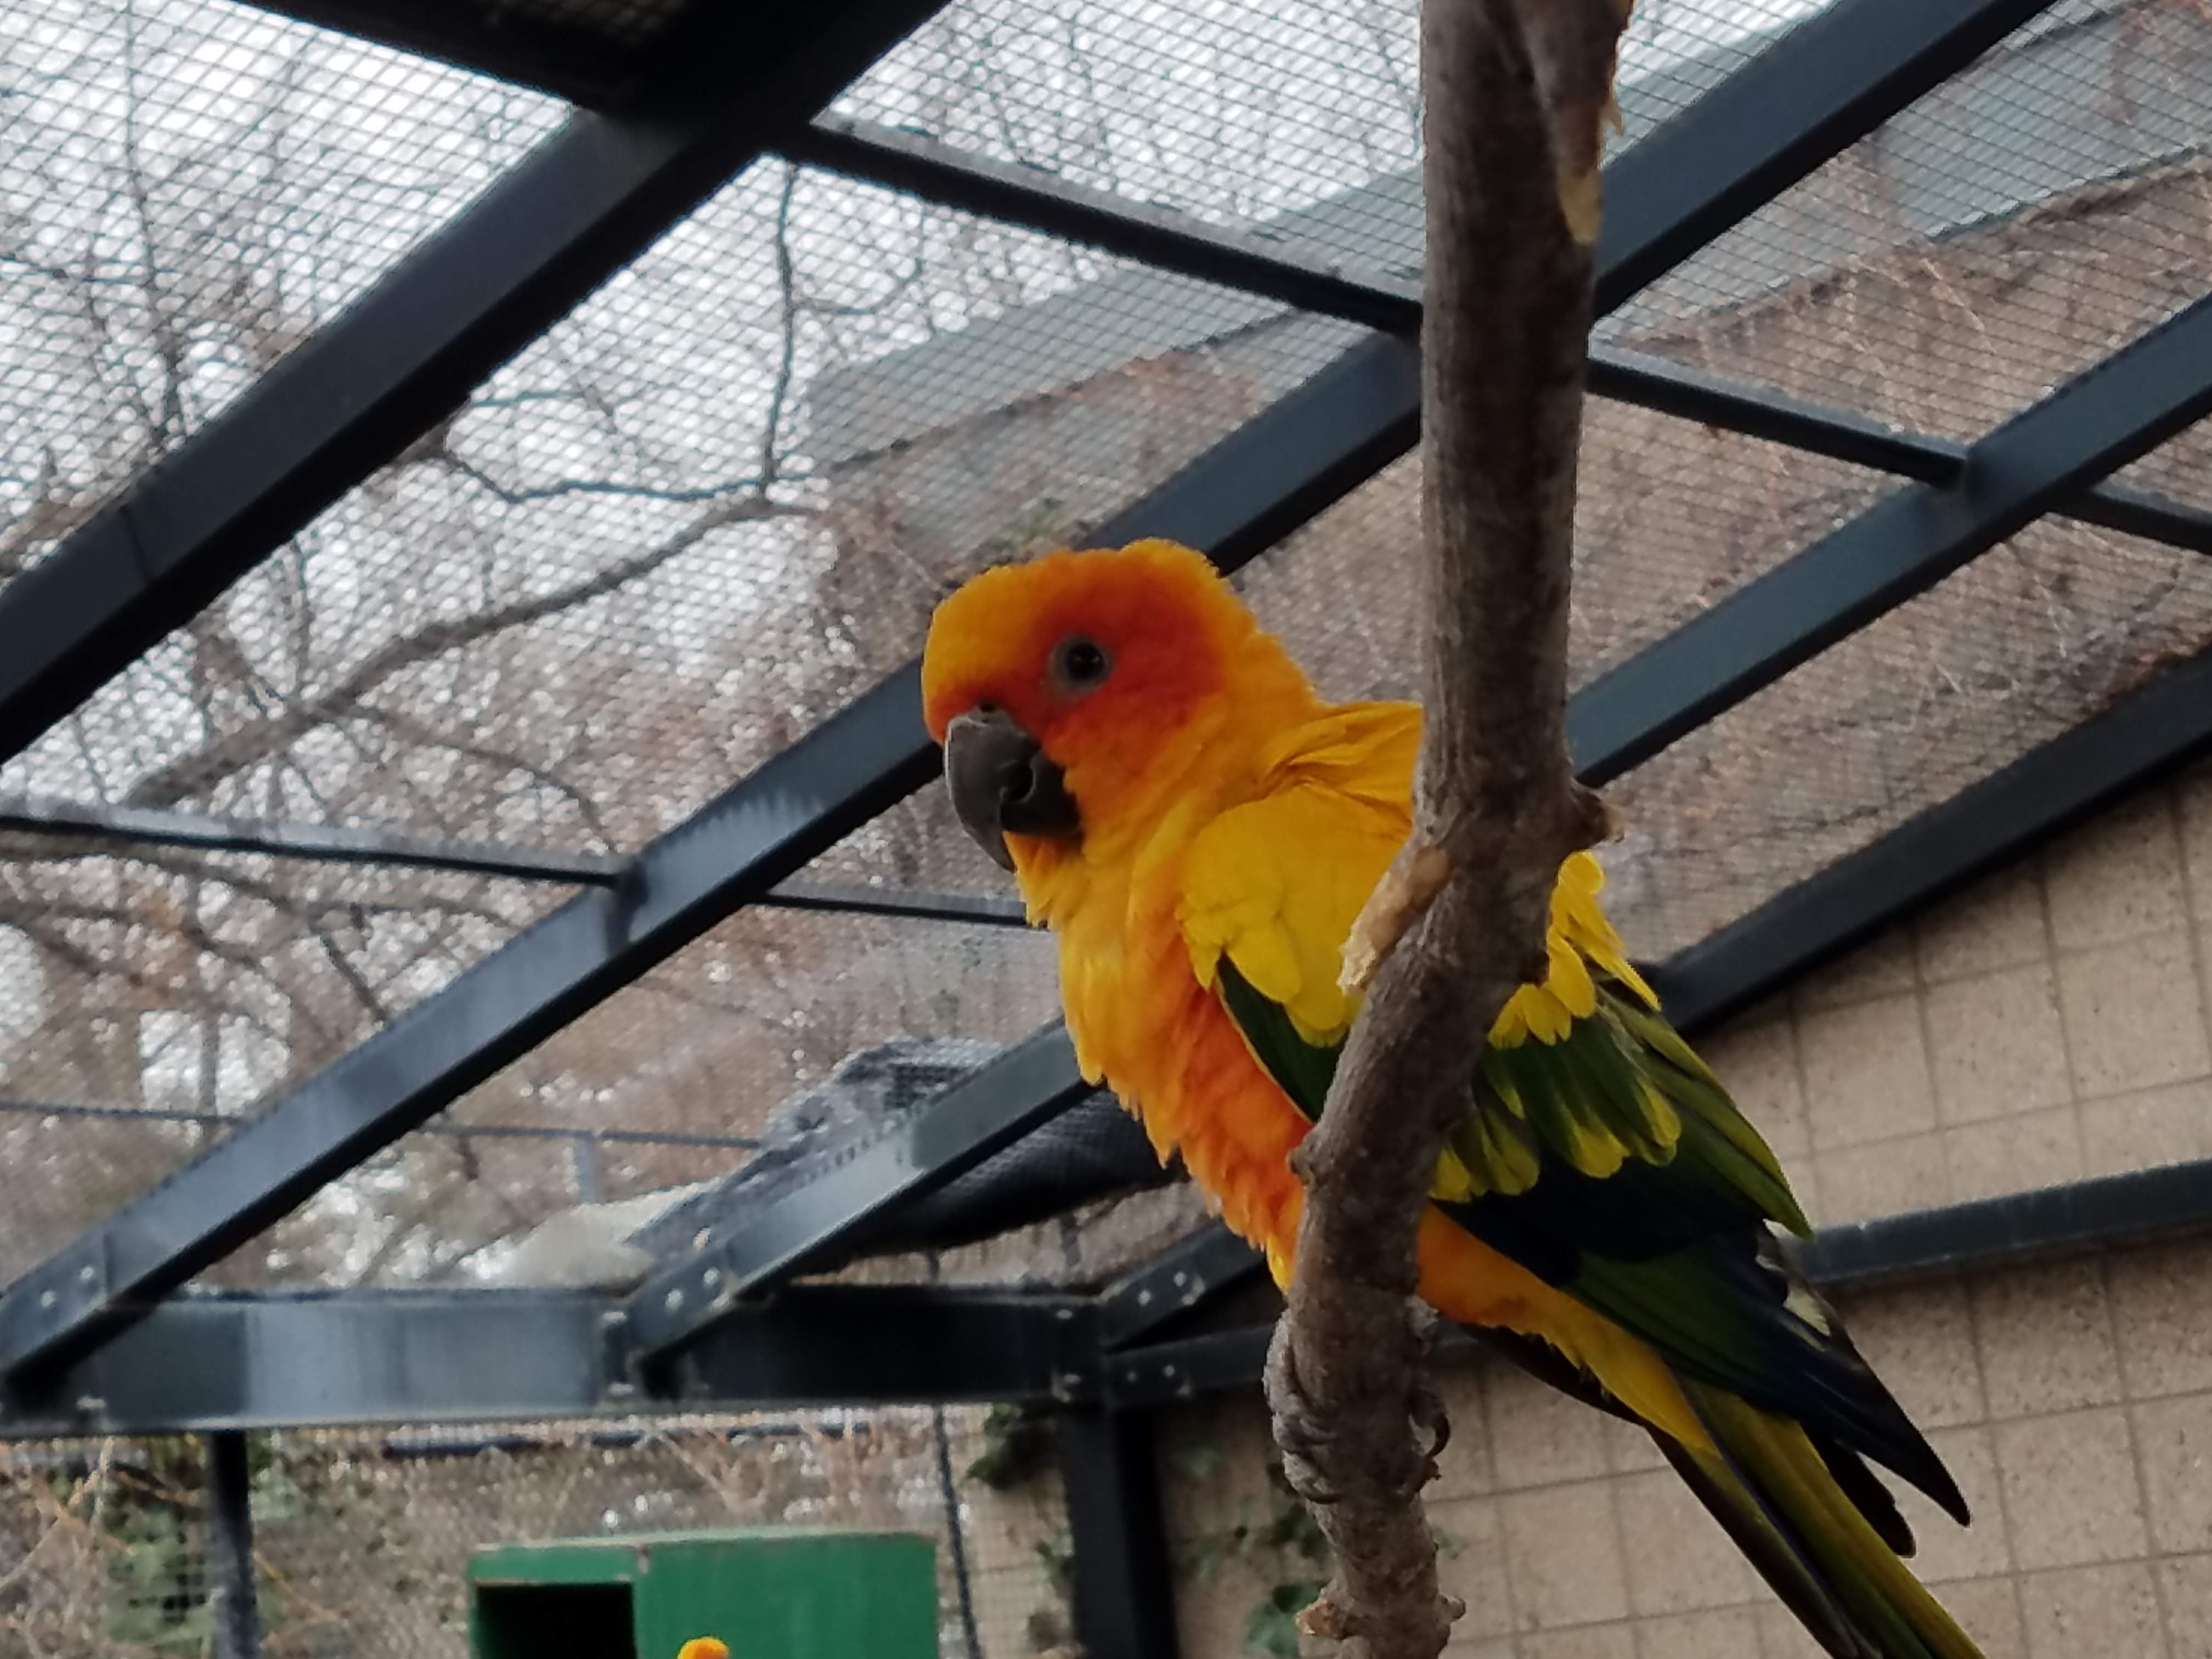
(1199, 829)
(704, 1647)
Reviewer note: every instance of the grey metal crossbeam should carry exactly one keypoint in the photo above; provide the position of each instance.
(274, 1359)
(993, 1106)
(737, 847)
(340, 843)
(1194, 1273)
(2148, 732)
(1247, 259)
(512, 43)
(2096, 422)
(1804, 100)
(330, 843)
(575, 210)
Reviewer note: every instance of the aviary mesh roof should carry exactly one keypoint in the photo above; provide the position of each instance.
(720, 499)
(188, 189)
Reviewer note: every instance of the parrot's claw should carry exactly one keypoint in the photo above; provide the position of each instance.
(1427, 1410)
(1296, 1433)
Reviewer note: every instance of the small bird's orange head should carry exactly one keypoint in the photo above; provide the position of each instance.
(1068, 689)
(704, 1647)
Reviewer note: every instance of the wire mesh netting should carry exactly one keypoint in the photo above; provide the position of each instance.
(360, 1542)
(148, 1001)
(625, 572)
(2178, 469)
(2003, 234)
(2029, 641)
(1303, 120)
(187, 190)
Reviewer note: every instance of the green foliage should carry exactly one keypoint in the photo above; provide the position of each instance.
(156, 1600)
(1201, 1459)
(1057, 1554)
(1272, 1627)
(1278, 1538)
(1016, 1443)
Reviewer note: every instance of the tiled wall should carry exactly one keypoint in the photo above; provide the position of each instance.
(2049, 1025)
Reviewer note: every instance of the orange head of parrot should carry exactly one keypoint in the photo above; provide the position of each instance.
(1070, 691)
(704, 1647)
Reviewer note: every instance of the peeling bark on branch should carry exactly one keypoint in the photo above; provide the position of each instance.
(1516, 93)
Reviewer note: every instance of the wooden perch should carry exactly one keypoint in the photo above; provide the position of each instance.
(1516, 93)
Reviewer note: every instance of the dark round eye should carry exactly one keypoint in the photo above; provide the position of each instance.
(1080, 663)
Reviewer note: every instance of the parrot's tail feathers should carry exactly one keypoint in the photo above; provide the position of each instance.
(1872, 1499)
(1764, 1545)
(1814, 1535)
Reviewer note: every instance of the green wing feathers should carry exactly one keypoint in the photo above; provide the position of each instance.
(1601, 1154)
(1619, 1085)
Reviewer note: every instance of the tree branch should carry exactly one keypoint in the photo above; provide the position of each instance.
(1514, 91)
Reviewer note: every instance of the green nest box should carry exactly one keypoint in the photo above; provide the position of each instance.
(769, 1594)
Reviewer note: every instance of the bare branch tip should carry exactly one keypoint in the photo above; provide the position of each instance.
(1324, 1617)
(1597, 820)
(1408, 887)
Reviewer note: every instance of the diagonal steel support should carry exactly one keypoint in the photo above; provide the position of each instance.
(404, 356)
(2096, 422)
(511, 43)
(1805, 98)
(793, 808)
(2148, 732)
(1195, 1271)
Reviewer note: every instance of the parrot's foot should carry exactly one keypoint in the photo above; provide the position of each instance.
(1299, 1435)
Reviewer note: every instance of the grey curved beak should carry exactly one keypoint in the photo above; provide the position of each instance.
(1001, 783)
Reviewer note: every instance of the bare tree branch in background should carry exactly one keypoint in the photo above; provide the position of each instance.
(1514, 91)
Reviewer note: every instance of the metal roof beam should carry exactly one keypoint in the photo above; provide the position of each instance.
(993, 1106)
(2148, 732)
(1252, 261)
(273, 1360)
(2096, 422)
(543, 236)
(507, 42)
(326, 843)
(338, 843)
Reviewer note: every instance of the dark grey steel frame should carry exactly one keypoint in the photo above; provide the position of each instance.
(83, 1335)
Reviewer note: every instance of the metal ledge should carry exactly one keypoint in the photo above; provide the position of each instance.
(336, 1358)
(2108, 1213)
